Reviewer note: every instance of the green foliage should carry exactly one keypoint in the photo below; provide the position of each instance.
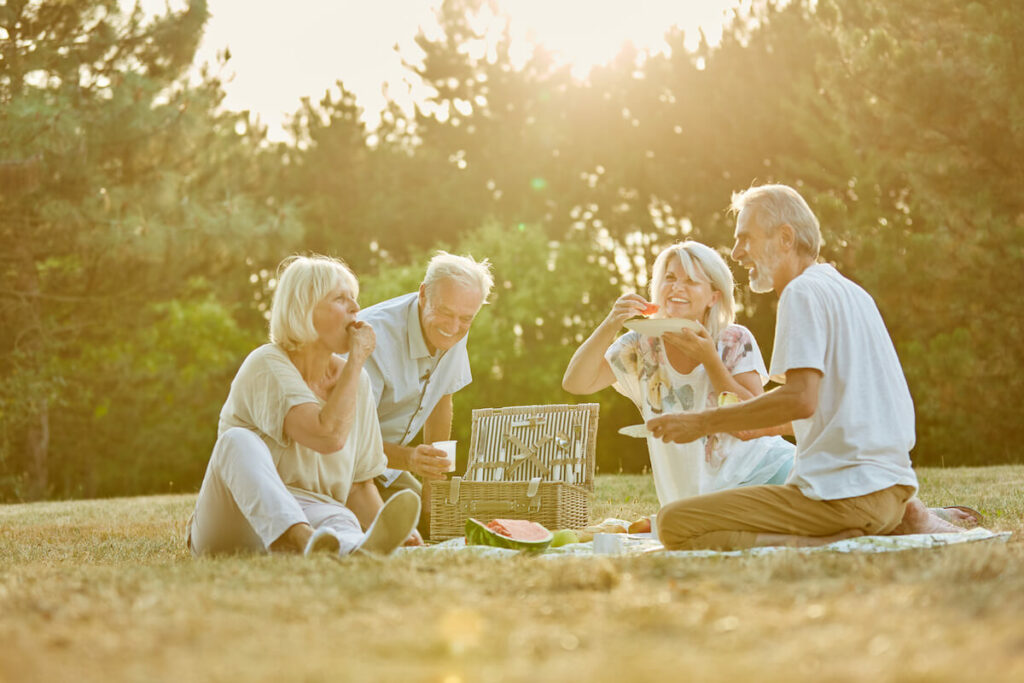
(369, 203)
(548, 297)
(859, 104)
(929, 110)
(128, 184)
(148, 401)
(141, 224)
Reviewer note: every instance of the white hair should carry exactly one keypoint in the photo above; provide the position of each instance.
(462, 269)
(702, 264)
(302, 281)
(770, 206)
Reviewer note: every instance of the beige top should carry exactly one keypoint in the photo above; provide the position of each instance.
(266, 387)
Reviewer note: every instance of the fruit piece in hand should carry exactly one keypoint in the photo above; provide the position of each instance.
(648, 309)
(727, 398)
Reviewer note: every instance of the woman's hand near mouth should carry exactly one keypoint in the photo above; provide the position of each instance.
(362, 340)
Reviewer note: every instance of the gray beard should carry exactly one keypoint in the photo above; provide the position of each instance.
(760, 281)
(761, 274)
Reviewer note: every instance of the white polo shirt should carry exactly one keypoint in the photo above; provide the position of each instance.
(858, 441)
(408, 382)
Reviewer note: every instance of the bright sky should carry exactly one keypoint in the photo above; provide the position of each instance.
(281, 52)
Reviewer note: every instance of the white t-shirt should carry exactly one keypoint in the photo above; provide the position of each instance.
(266, 387)
(858, 441)
(408, 382)
(644, 374)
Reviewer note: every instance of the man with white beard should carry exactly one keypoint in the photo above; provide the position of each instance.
(842, 388)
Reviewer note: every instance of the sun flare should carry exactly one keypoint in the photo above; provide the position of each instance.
(323, 41)
(588, 33)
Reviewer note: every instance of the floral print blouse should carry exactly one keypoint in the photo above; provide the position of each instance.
(644, 374)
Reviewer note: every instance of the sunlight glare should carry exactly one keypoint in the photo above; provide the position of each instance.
(588, 33)
(279, 57)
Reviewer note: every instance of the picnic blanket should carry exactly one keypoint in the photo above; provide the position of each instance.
(640, 544)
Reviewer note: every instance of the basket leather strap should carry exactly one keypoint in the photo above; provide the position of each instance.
(496, 465)
(453, 491)
(500, 507)
(528, 453)
(531, 506)
(531, 490)
(530, 421)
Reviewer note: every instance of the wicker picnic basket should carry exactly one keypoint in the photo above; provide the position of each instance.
(525, 462)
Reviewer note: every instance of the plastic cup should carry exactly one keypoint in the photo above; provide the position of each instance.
(607, 544)
(654, 526)
(449, 449)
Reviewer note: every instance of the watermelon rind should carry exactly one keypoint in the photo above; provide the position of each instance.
(477, 533)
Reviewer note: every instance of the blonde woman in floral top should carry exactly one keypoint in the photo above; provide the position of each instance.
(685, 371)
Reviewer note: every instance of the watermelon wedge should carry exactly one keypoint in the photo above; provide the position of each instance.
(514, 534)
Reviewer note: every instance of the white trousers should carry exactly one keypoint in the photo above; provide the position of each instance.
(244, 506)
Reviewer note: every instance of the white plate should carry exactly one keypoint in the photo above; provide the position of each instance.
(636, 431)
(655, 327)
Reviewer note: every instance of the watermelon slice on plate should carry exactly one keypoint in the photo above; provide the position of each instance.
(514, 534)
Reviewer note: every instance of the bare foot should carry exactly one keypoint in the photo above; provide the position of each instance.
(805, 541)
(917, 519)
(960, 516)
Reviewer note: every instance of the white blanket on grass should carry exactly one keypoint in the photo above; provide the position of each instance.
(639, 544)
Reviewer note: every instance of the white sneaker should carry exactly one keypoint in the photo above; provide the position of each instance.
(393, 524)
(323, 540)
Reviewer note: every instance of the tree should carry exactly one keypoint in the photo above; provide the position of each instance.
(926, 205)
(143, 198)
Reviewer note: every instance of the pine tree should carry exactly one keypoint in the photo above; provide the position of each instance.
(141, 202)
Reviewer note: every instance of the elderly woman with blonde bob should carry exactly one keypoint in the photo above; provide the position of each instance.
(298, 439)
(685, 371)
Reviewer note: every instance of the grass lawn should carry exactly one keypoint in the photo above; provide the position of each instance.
(104, 590)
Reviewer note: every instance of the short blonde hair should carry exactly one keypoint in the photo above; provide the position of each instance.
(770, 206)
(462, 269)
(701, 263)
(302, 282)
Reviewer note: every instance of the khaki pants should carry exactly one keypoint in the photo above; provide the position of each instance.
(404, 481)
(732, 519)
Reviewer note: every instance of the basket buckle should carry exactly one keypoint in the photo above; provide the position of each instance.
(453, 491)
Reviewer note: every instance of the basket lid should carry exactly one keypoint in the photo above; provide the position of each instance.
(521, 443)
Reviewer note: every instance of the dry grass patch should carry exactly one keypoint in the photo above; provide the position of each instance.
(104, 590)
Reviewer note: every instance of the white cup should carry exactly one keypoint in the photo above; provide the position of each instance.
(607, 544)
(449, 450)
(654, 526)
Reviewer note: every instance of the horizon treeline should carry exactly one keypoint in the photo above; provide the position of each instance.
(141, 224)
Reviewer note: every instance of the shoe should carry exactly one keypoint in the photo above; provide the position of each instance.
(393, 524)
(323, 540)
(944, 513)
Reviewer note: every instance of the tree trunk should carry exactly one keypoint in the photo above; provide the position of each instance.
(21, 177)
(29, 339)
(37, 446)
